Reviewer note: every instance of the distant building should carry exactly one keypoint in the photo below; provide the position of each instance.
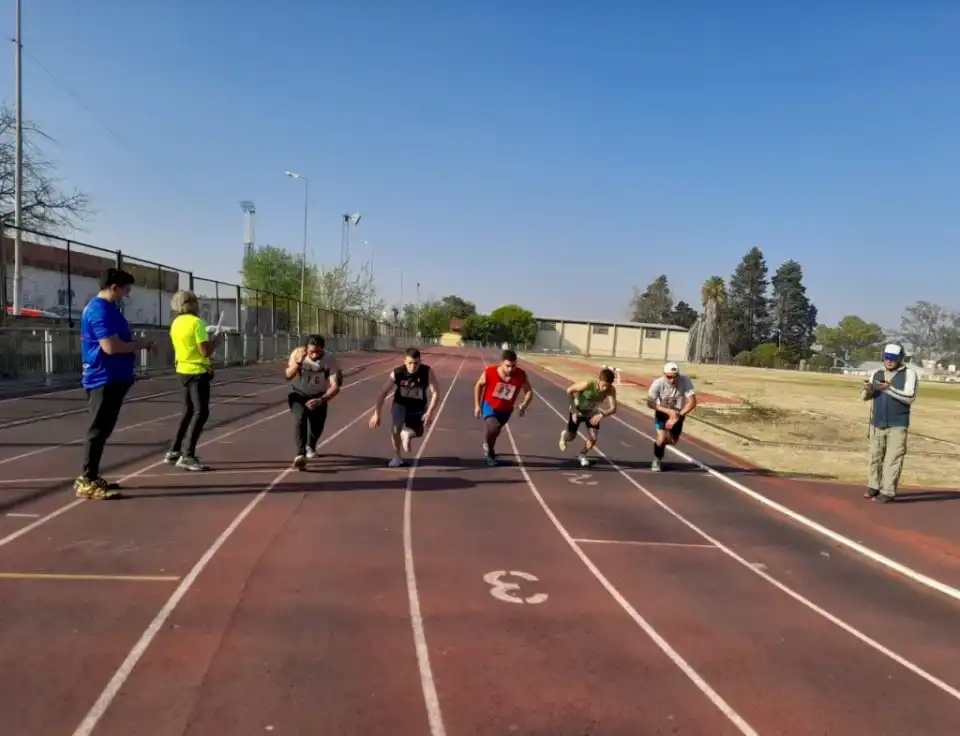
(611, 339)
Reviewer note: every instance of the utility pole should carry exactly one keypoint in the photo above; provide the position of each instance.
(18, 179)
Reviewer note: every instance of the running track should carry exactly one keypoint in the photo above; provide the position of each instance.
(355, 599)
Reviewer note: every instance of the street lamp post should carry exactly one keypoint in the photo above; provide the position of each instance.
(303, 262)
(18, 179)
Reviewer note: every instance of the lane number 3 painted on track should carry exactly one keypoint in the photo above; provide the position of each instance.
(581, 479)
(504, 590)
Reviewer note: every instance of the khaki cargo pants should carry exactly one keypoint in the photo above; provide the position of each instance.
(888, 448)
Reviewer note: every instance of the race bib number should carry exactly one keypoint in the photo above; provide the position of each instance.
(411, 392)
(315, 378)
(504, 391)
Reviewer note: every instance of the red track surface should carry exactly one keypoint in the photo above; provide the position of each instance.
(307, 616)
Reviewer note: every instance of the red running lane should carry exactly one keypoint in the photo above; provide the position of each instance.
(918, 531)
(302, 616)
(571, 664)
(764, 652)
(163, 529)
(28, 454)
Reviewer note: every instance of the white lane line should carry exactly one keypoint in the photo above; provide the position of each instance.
(113, 687)
(637, 543)
(871, 554)
(15, 515)
(429, 687)
(752, 567)
(154, 420)
(712, 695)
(73, 504)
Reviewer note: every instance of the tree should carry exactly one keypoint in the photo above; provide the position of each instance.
(482, 328)
(337, 289)
(794, 317)
(45, 205)
(748, 311)
(654, 305)
(275, 271)
(458, 308)
(853, 339)
(928, 328)
(705, 341)
(519, 326)
(684, 315)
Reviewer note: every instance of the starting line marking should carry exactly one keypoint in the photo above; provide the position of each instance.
(80, 577)
(638, 543)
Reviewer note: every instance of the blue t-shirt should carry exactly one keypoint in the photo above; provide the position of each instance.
(101, 319)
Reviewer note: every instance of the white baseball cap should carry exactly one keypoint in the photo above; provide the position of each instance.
(671, 369)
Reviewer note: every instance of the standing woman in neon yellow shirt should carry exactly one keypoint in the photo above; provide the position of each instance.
(193, 347)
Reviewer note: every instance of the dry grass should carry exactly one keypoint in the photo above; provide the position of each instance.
(801, 423)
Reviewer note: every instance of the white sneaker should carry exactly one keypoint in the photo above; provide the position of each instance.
(585, 461)
(395, 463)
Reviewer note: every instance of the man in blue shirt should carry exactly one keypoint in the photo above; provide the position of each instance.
(109, 360)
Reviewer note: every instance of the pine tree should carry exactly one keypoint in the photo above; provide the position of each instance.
(653, 306)
(794, 317)
(748, 319)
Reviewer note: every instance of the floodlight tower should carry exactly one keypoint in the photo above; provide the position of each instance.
(249, 210)
(348, 220)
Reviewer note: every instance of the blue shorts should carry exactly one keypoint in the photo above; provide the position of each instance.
(487, 412)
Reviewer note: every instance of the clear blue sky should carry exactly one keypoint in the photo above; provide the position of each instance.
(552, 154)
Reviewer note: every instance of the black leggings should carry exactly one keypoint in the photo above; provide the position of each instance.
(196, 408)
(308, 423)
(103, 404)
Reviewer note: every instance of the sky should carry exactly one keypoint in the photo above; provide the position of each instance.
(549, 154)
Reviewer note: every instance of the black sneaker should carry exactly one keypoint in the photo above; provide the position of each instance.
(883, 498)
(871, 493)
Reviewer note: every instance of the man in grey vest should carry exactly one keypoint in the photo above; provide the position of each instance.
(892, 390)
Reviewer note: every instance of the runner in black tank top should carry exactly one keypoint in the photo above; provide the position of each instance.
(412, 409)
(316, 378)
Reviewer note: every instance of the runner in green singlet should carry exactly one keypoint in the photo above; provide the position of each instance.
(586, 402)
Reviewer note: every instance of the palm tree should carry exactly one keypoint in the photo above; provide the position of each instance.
(704, 341)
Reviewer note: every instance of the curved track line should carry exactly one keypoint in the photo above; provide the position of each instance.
(806, 602)
(871, 554)
(113, 687)
(430, 697)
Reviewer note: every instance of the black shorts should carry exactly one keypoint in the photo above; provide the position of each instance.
(660, 422)
(406, 416)
(583, 419)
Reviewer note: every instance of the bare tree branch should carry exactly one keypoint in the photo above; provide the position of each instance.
(46, 205)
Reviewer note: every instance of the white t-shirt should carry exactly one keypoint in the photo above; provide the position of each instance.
(663, 393)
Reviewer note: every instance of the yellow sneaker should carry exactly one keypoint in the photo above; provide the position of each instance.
(94, 490)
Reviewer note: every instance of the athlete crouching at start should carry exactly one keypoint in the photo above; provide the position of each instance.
(411, 413)
(494, 396)
(586, 402)
(671, 397)
(316, 378)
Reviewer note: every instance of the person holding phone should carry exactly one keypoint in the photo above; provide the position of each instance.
(892, 389)
(109, 355)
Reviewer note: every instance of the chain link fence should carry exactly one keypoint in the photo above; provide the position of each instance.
(60, 276)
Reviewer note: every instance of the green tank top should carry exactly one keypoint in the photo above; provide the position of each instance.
(591, 399)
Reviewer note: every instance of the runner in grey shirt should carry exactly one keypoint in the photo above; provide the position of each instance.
(671, 397)
(316, 378)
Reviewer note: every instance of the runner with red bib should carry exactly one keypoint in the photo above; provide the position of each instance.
(494, 396)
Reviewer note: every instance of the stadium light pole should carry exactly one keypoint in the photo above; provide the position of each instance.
(18, 177)
(303, 263)
(348, 220)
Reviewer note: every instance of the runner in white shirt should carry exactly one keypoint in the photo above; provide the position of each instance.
(671, 397)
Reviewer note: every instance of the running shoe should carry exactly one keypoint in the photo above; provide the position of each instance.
(95, 490)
